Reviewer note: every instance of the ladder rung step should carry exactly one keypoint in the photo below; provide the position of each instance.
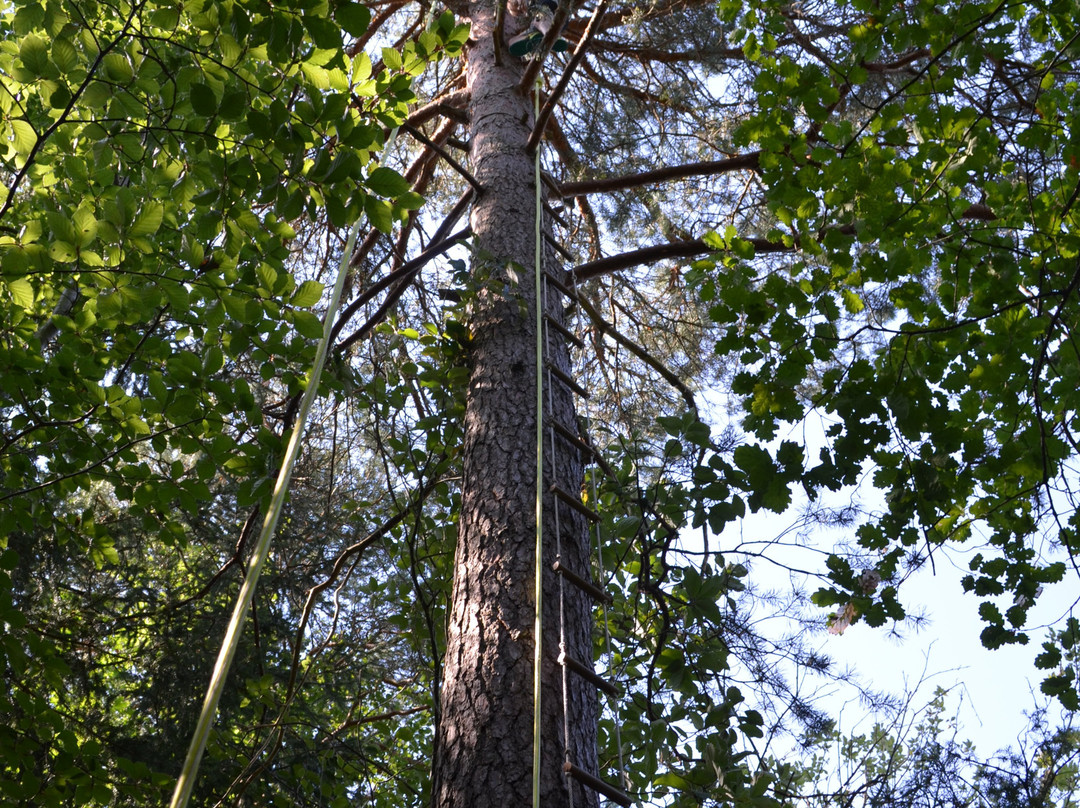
(560, 249)
(599, 786)
(562, 287)
(577, 441)
(575, 503)
(557, 216)
(563, 377)
(566, 332)
(584, 584)
(453, 295)
(587, 672)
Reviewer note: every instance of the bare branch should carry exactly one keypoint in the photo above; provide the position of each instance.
(451, 105)
(564, 79)
(605, 327)
(445, 155)
(645, 54)
(659, 252)
(748, 161)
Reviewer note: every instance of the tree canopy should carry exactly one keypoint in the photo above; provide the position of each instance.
(821, 255)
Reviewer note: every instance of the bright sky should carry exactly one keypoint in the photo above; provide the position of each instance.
(991, 690)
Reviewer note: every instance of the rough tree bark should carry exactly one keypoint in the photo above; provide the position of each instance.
(484, 739)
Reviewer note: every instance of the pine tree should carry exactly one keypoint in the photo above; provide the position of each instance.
(860, 210)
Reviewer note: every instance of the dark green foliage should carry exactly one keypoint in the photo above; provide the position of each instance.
(900, 261)
(152, 159)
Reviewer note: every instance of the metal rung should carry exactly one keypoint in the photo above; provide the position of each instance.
(575, 503)
(577, 441)
(562, 376)
(562, 287)
(566, 332)
(584, 584)
(586, 672)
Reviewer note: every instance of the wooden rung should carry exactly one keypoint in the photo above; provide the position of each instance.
(453, 295)
(552, 185)
(584, 584)
(560, 249)
(586, 672)
(556, 215)
(566, 332)
(577, 441)
(561, 375)
(562, 287)
(575, 503)
(598, 785)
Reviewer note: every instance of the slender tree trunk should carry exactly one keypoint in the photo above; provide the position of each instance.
(484, 745)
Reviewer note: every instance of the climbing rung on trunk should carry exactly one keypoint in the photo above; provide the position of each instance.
(575, 503)
(562, 287)
(588, 453)
(558, 247)
(584, 584)
(598, 785)
(565, 379)
(586, 672)
(566, 332)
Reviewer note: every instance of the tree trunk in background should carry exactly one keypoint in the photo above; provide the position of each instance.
(484, 744)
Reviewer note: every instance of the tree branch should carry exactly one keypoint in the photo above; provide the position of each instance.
(648, 54)
(748, 161)
(659, 252)
(444, 154)
(451, 105)
(404, 277)
(613, 19)
(375, 26)
(564, 79)
(605, 327)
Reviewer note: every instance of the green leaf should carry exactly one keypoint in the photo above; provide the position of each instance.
(410, 200)
(166, 18)
(117, 67)
(361, 67)
(307, 294)
(318, 76)
(379, 213)
(85, 226)
(21, 291)
(34, 54)
(386, 182)
(354, 18)
(203, 100)
(64, 55)
(323, 32)
(307, 324)
(62, 252)
(392, 59)
(25, 138)
(267, 277)
(148, 220)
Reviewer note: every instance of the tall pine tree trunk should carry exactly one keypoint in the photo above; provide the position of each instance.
(484, 746)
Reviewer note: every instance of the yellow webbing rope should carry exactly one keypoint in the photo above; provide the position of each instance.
(538, 620)
(186, 782)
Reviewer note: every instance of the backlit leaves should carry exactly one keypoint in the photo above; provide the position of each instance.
(929, 313)
(152, 157)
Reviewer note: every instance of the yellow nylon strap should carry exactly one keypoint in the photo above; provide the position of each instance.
(538, 620)
(186, 781)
